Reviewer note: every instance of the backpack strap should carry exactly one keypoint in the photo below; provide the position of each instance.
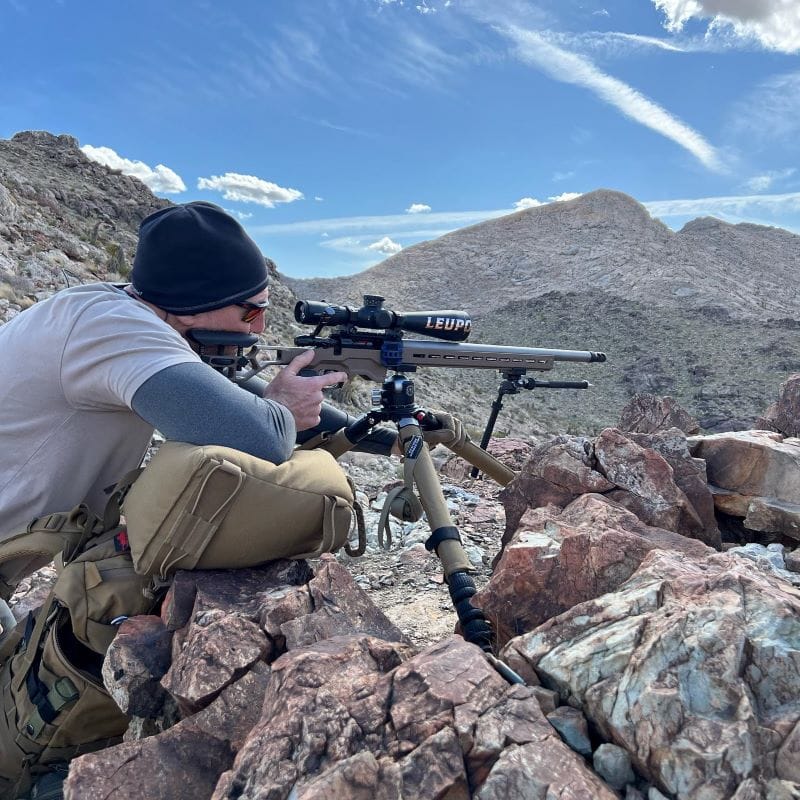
(401, 502)
(38, 544)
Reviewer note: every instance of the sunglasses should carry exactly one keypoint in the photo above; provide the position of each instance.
(252, 310)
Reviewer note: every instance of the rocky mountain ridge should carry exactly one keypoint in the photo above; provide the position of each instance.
(603, 240)
(64, 219)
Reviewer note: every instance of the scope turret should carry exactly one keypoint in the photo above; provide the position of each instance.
(452, 326)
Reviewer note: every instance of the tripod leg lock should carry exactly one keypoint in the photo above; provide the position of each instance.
(474, 625)
(440, 535)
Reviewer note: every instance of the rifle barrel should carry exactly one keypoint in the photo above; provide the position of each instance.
(489, 356)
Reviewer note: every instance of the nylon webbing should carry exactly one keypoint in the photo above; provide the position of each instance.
(401, 501)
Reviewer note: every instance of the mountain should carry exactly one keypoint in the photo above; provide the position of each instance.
(603, 240)
(63, 218)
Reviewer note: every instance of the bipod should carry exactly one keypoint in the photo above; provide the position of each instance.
(513, 381)
(395, 403)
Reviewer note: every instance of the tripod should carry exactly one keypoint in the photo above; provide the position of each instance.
(394, 402)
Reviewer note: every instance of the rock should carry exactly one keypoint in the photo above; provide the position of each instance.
(752, 463)
(561, 559)
(728, 502)
(769, 558)
(218, 647)
(646, 413)
(613, 765)
(339, 607)
(574, 730)
(547, 698)
(646, 483)
(707, 647)
(139, 656)
(793, 560)
(772, 515)
(568, 462)
(529, 491)
(783, 416)
(184, 762)
(690, 477)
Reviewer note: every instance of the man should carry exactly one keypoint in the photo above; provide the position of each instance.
(87, 375)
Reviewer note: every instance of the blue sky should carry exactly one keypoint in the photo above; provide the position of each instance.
(340, 131)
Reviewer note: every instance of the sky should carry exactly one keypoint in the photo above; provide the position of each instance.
(342, 131)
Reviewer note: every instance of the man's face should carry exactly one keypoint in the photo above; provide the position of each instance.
(229, 318)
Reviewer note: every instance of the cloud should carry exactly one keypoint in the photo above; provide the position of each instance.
(760, 183)
(241, 215)
(617, 42)
(385, 245)
(527, 202)
(771, 112)
(568, 67)
(159, 179)
(775, 24)
(741, 205)
(444, 220)
(564, 196)
(249, 189)
(318, 198)
(418, 208)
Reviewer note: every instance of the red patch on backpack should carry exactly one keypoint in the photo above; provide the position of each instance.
(121, 543)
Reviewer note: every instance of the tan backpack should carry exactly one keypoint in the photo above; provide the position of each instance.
(191, 507)
(54, 704)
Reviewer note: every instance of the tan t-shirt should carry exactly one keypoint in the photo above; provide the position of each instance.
(69, 368)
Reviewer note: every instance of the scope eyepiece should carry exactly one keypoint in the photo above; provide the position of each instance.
(452, 326)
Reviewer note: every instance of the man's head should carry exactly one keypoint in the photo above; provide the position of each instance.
(195, 258)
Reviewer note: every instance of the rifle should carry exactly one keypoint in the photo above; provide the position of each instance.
(369, 342)
(356, 351)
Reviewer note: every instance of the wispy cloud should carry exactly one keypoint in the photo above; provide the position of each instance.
(760, 183)
(445, 220)
(742, 205)
(418, 208)
(618, 41)
(158, 179)
(332, 126)
(568, 67)
(772, 111)
(775, 24)
(249, 189)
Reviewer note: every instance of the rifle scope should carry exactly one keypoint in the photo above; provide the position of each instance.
(452, 326)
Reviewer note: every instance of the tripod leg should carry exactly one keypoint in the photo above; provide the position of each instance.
(445, 539)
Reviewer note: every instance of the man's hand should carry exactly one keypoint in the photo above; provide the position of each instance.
(302, 396)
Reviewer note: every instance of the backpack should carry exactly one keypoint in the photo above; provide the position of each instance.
(191, 507)
(54, 703)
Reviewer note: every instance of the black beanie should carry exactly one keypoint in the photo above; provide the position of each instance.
(194, 258)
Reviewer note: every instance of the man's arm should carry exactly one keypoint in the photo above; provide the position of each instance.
(193, 403)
